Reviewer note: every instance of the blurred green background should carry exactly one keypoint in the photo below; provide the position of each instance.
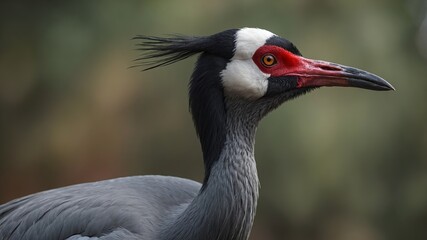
(337, 164)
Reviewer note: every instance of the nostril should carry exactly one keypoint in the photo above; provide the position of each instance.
(329, 68)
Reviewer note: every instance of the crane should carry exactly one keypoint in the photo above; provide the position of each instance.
(240, 76)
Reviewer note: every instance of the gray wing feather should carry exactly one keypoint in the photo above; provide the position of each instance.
(119, 234)
(113, 209)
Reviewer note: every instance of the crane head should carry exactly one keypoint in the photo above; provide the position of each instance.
(264, 64)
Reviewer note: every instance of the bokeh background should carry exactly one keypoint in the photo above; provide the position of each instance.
(337, 164)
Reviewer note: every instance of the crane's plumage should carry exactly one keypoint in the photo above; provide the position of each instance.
(240, 76)
(126, 206)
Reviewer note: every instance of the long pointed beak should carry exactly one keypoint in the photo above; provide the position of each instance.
(314, 73)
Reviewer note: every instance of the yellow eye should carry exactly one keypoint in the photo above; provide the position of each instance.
(268, 60)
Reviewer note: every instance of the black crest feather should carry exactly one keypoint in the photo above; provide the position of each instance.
(162, 51)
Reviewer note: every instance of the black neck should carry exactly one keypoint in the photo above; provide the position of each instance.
(208, 108)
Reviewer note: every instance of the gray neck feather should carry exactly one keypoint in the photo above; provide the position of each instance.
(225, 209)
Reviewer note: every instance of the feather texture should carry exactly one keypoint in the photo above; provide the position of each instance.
(162, 51)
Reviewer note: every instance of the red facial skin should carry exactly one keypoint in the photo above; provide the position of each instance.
(310, 73)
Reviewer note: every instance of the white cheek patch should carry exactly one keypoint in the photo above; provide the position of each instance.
(242, 78)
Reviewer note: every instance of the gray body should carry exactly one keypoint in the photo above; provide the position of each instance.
(123, 208)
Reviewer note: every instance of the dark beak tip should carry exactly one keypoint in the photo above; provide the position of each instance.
(372, 81)
(385, 86)
(388, 87)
